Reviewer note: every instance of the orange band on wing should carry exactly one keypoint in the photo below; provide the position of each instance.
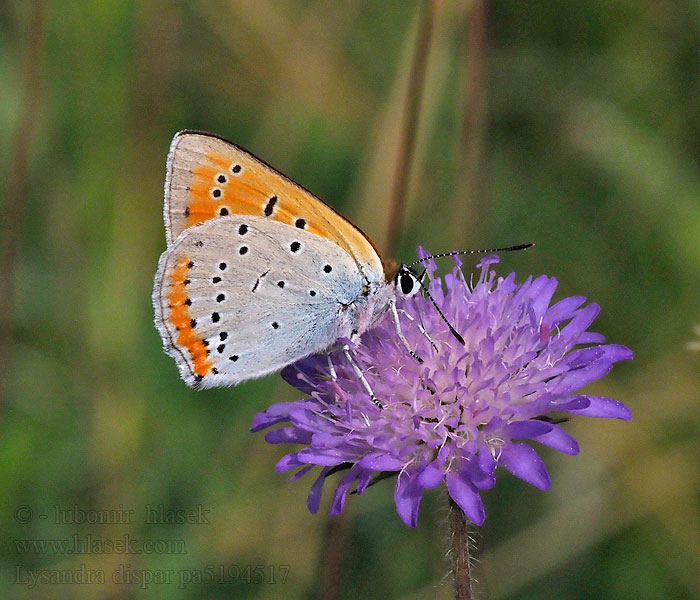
(181, 320)
(240, 194)
(210, 178)
(205, 173)
(220, 161)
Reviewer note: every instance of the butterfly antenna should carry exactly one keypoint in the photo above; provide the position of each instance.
(484, 251)
(460, 339)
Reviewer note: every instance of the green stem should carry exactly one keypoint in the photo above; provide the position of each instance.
(409, 128)
(12, 218)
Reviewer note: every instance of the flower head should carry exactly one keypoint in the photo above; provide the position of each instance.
(464, 410)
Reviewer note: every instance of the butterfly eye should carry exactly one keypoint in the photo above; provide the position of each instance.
(407, 283)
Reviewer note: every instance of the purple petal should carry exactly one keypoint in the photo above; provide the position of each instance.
(302, 417)
(616, 352)
(539, 406)
(524, 430)
(292, 376)
(558, 439)
(487, 463)
(382, 462)
(301, 472)
(363, 480)
(563, 309)
(432, 475)
(326, 456)
(589, 337)
(328, 440)
(341, 492)
(494, 424)
(580, 358)
(574, 380)
(434, 472)
(541, 302)
(606, 408)
(489, 259)
(313, 501)
(577, 403)
(306, 375)
(276, 413)
(289, 461)
(466, 496)
(524, 462)
(581, 321)
(407, 496)
(482, 480)
(429, 264)
(288, 435)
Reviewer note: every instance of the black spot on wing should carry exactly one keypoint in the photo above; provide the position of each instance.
(270, 206)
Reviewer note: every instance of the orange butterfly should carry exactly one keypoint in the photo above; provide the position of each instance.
(258, 272)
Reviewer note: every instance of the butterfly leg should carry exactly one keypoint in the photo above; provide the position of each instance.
(360, 375)
(339, 396)
(331, 368)
(399, 333)
(419, 326)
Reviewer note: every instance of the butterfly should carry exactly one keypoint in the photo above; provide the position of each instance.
(258, 272)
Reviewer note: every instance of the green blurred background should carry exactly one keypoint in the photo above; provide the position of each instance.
(575, 125)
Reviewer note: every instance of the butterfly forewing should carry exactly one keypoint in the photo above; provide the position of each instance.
(209, 177)
(238, 297)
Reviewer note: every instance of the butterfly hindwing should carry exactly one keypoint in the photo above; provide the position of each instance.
(238, 297)
(209, 177)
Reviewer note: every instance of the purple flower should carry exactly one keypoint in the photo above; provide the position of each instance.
(463, 411)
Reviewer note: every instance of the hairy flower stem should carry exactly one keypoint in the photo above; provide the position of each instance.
(461, 563)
